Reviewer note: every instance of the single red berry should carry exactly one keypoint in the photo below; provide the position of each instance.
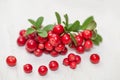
(79, 40)
(42, 70)
(64, 51)
(71, 57)
(38, 52)
(73, 65)
(54, 53)
(22, 32)
(94, 58)
(40, 46)
(80, 49)
(53, 65)
(66, 39)
(27, 68)
(48, 46)
(31, 45)
(66, 62)
(11, 61)
(88, 44)
(54, 39)
(41, 39)
(60, 47)
(78, 59)
(32, 35)
(87, 34)
(50, 33)
(58, 29)
(21, 40)
(81, 34)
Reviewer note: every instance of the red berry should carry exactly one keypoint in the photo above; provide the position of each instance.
(64, 51)
(78, 59)
(42, 70)
(27, 68)
(50, 33)
(48, 46)
(22, 32)
(54, 39)
(41, 39)
(81, 34)
(58, 29)
(79, 40)
(80, 49)
(11, 60)
(94, 58)
(73, 65)
(21, 40)
(60, 47)
(38, 52)
(41, 46)
(31, 45)
(32, 35)
(53, 65)
(66, 62)
(54, 53)
(87, 34)
(66, 39)
(88, 44)
(71, 57)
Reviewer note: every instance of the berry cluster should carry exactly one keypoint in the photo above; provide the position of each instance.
(53, 38)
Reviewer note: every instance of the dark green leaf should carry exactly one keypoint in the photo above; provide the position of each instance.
(58, 17)
(96, 42)
(39, 22)
(30, 30)
(73, 39)
(75, 26)
(32, 22)
(99, 38)
(66, 19)
(87, 22)
(42, 33)
(92, 25)
(48, 27)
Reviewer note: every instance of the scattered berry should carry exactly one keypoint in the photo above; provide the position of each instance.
(94, 58)
(42, 70)
(11, 60)
(73, 65)
(77, 59)
(53, 65)
(66, 62)
(27, 68)
(71, 57)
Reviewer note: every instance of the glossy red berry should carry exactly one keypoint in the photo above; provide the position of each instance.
(42, 70)
(71, 57)
(41, 39)
(58, 29)
(21, 40)
(50, 33)
(64, 52)
(78, 59)
(48, 46)
(54, 53)
(79, 40)
(73, 65)
(22, 32)
(11, 61)
(31, 45)
(41, 46)
(54, 39)
(27, 68)
(88, 44)
(87, 34)
(38, 52)
(94, 58)
(60, 47)
(53, 65)
(80, 49)
(66, 62)
(32, 35)
(81, 34)
(66, 39)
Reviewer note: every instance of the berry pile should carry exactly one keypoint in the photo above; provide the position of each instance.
(53, 38)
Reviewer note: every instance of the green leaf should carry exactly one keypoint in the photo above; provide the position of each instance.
(75, 26)
(58, 17)
(30, 31)
(66, 19)
(87, 22)
(32, 22)
(48, 27)
(42, 33)
(97, 40)
(94, 34)
(39, 22)
(92, 25)
(73, 39)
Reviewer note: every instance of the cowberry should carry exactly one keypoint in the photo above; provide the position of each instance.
(54, 53)
(40, 46)
(42, 70)
(80, 49)
(66, 62)
(11, 61)
(38, 52)
(87, 34)
(66, 39)
(77, 59)
(94, 58)
(58, 29)
(50, 33)
(73, 65)
(71, 57)
(41, 39)
(88, 44)
(21, 40)
(48, 46)
(27, 68)
(54, 39)
(32, 35)
(64, 51)
(79, 40)
(53, 65)
(22, 32)
(60, 47)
